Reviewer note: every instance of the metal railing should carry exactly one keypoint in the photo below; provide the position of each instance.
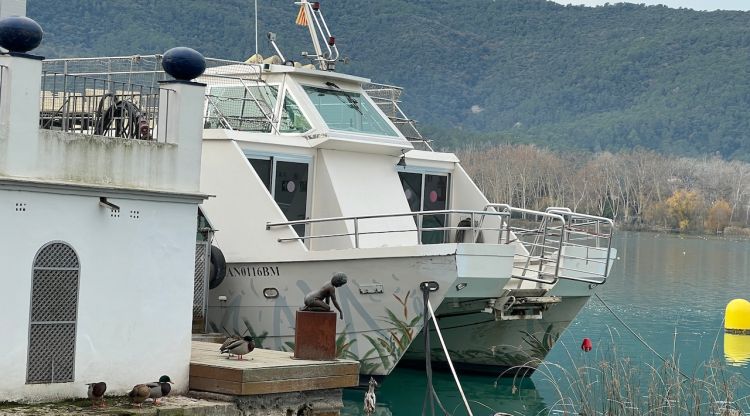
(387, 98)
(89, 105)
(592, 234)
(77, 92)
(543, 245)
(356, 223)
(550, 238)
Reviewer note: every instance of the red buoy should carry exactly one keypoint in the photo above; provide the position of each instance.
(586, 345)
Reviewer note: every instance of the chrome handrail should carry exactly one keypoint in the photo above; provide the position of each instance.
(549, 253)
(419, 228)
(596, 235)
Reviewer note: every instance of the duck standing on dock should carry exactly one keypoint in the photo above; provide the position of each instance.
(239, 347)
(370, 397)
(229, 341)
(139, 394)
(96, 393)
(159, 389)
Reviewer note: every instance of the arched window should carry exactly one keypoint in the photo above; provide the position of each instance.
(54, 313)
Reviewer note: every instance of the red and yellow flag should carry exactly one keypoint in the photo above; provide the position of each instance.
(301, 16)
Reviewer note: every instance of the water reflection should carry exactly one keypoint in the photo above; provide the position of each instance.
(403, 393)
(737, 349)
(671, 290)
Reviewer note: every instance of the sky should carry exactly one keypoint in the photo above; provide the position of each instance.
(690, 4)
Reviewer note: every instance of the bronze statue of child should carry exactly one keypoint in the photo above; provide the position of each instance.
(319, 300)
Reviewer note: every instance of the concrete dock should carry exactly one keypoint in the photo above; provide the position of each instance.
(268, 379)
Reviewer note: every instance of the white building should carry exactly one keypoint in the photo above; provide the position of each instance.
(99, 233)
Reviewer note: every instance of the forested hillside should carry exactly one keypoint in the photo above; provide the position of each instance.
(524, 71)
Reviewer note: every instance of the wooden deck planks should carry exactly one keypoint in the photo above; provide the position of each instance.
(265, 371)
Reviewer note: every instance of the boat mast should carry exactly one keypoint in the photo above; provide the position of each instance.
(311, 16)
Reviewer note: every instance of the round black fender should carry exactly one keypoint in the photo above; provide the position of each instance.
(218, 268)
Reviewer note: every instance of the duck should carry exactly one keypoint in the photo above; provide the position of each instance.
(370, 397)
(96, 393)
(139, 394)
(159, 389)
(240, 347)
(230, 340)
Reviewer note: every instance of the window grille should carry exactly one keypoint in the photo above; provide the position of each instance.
(53, 316)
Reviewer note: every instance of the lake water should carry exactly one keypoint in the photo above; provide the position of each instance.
(671, 290)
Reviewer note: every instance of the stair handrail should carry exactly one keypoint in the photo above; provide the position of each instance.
(598, 234)
(539, 243)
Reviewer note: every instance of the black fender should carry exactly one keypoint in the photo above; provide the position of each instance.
(218, 268)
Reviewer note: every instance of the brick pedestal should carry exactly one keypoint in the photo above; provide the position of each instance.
(315, 336)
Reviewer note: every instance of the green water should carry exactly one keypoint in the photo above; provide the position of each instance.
(671, 290)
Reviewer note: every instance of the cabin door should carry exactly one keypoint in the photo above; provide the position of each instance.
(427, 192)
(286, 180)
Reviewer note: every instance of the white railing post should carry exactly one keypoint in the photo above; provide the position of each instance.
(19, 114)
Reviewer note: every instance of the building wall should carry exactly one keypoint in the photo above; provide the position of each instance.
(136, 288)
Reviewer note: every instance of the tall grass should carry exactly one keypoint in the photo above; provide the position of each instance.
(609, 384)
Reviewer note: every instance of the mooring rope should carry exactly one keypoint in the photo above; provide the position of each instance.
(448, 358)
(430, 394)
(639, 338)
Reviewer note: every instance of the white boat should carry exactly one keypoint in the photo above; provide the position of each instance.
(314, 172)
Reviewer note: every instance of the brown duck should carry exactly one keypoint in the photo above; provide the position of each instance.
(139, 394)
(96, 393)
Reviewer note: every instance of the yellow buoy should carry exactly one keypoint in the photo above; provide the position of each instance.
(737, 349)
(737, 317)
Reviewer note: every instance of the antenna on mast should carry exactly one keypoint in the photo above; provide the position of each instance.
(310, 15)
(256, 27)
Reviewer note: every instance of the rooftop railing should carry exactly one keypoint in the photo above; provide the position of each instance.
(388, 98)
(119, 96)
(82, 104)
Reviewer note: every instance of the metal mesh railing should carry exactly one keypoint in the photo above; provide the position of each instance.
(106, 96)
(87, 105)
(240, 99)
(387, 97)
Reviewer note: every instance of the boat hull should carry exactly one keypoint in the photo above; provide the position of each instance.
(382, 303)
(478, 342)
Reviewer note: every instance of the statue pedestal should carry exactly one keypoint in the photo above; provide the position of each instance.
(315, 335)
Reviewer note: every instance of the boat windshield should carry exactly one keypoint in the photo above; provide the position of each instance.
(348, 111)
(251, 108)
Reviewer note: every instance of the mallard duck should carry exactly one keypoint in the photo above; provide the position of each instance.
(96, 393)
(139, 394)
(370, 397)
(160, 389)
(240, 347)
(228, 342)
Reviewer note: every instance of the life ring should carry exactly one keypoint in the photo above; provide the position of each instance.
(218, 268)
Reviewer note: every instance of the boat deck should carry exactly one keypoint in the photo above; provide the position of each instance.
(265, 372)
